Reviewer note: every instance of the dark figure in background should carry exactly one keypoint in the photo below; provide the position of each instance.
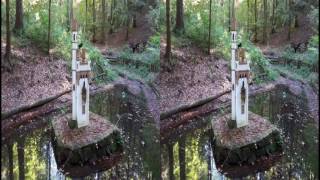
(138, 46)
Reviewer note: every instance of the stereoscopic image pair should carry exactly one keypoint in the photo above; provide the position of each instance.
(159, 89)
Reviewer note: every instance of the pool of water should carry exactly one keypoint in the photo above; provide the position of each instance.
(28, 152)
(188, 154)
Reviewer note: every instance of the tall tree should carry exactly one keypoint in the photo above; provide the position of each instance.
(128, 20)
(49, 27)
(179, 16)
(182, 157)
(209, 41)
(21, 164)
(229, 15)
(94, 20)
(168, 47)
(86, 16)
(10, 156)
(289, 21)
(171, 161)
(265, 19)
(19, 15)
(8, 46)
(111, 16)
(273, 21)
(104, 19)
(255, 21)
(248, 16)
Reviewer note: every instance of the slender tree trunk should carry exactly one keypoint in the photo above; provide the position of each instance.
(170, 155)
(229, 16)
(104, 19)
(289, 22)
(94, 20)
(179, 16)
(209, 41)
(128, 21)
(248, 16)
(49, 28)
(48, 161)
(8, 46)
(296, 24)
(273, 30)
(265, 18)
(19, 15)
(134, 25)
(111, 16)
(86, 16)
(182, 157)
(10, 156)
(21, 164)
(168, 47)
(255, 21)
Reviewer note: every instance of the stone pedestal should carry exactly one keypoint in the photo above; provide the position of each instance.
(246, 145)
(82, 151)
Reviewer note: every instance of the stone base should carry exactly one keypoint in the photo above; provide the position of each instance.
(240, 146)
(82, 151)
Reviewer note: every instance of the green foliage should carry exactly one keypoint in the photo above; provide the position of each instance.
(314, 19)
(153, 17)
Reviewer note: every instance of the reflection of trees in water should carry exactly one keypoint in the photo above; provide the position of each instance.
(140, 137)
(290, 114)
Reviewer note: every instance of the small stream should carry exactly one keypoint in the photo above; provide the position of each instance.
(30, 152)
(188, 153)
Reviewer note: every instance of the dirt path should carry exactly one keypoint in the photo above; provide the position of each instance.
(116, 40)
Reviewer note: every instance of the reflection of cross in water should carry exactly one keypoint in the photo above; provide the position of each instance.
(243, 97)
(84, 97)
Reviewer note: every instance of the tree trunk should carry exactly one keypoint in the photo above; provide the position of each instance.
(21, 164)
(134, 25)
(94, 20)
(86, 16)
(191, 105)
(179, 16)
(111, 16)
(296, 24)
(255, 21)
(229, 16)
(182, 158)
(31, 106)
(49, 28)
(10, 156)
(8, 46)
(168, 47)
(19, 15)
(265, 14)
(289, 22)
(128, 21)
(209, 41)
(171, 162)
(273, 28)
(104, 19)
(248, 16)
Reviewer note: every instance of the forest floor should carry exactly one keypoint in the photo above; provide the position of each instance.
(34, 76)
(116, 40)
(194, 76)
(279, 40)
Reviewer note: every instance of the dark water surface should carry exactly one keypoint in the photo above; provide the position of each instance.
(28, 152)
(188, 154)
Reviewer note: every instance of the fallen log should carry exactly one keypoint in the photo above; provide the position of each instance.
(186, 107)
(31, 106)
